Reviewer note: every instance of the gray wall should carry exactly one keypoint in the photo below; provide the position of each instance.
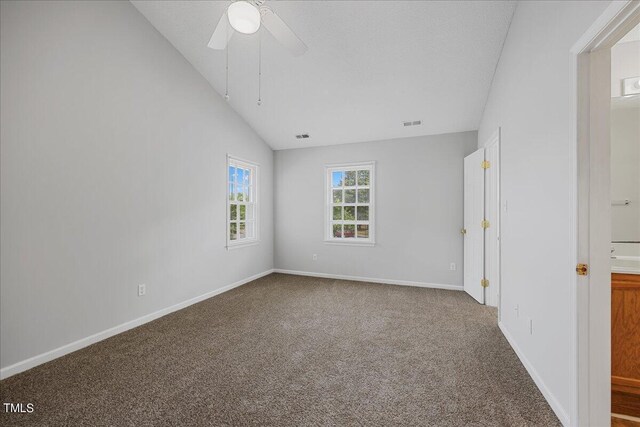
(113, 174)
(419, 202)
(625, 173)
(530, 99)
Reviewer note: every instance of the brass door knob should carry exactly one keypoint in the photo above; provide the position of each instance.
(463, 231)
(582, 269)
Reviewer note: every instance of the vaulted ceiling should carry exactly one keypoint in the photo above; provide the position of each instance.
(371, 65)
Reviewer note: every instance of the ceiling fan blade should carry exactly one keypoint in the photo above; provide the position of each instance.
(282, 32)
(222, 33)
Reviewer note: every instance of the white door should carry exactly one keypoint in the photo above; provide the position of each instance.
(594, 243)
(473, 217)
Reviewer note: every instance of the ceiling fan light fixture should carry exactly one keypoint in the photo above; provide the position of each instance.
(244, 17)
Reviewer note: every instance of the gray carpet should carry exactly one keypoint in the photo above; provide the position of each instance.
(294, 351)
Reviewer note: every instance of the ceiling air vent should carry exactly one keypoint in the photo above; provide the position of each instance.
(302, 136)
(413, 123)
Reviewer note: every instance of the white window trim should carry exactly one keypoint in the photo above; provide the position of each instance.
(328, 213)
(235, 244)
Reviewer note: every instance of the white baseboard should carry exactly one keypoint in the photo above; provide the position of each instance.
(371, 279)
(562, 415)
(92, 339)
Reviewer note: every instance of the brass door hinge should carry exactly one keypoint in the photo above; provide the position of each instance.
(463, 231)
(485, 224)
(486, 164)
(582, 269)
(484, 283)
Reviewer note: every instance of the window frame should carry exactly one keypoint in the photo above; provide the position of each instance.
(328, 210)
(253, 196)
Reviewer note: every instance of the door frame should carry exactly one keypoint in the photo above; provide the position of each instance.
(493, 273)
(590, 170)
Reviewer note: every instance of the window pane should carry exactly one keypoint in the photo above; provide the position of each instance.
(247, 194)
(247, 176)
(232, 190)
(363, 231)
(336, 179)
(243, 212)
(350, 178)
(239, 176)
(349, 213)
(337, 213)
(363, 195)
(243, 231)
(251, 232)
(232, 231)
(239, 193)
(363, 213)
(233, 212)
(349, 196)
(250, 208)
(337, 196)
(337, 230)
(232, 173)
(349, 230)
(363, 177)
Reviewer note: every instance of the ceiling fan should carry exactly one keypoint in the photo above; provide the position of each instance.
(245, 16)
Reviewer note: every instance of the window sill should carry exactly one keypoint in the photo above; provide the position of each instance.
(231, 246)
(368, 243)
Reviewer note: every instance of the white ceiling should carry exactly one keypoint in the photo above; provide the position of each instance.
(371, 65)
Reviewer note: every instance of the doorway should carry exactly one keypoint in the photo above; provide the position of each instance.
(625, 226)
(591, 290)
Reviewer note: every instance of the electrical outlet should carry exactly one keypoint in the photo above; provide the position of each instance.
(452, 266)
(517, 311)
(530, 326)
(315, 257)
(142, 290)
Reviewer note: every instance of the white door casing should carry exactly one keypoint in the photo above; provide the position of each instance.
(473, 217)
(492, 214)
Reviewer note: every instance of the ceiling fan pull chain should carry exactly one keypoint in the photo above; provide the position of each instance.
(226, 88)
(260, 67)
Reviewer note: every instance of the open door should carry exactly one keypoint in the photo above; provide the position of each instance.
(593, 287)
(473, 225)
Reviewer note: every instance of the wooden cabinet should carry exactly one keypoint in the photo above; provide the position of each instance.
(625, 344)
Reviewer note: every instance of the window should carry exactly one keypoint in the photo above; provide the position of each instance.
(242, 221)
(349, 203)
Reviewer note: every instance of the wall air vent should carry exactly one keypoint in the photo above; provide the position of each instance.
(302, 136)
(413, 123)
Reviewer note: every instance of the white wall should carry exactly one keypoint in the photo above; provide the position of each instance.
(418, 209)
(530, 100)
(625, 63)
(625, 173)
(625, 143)
(113, 174)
